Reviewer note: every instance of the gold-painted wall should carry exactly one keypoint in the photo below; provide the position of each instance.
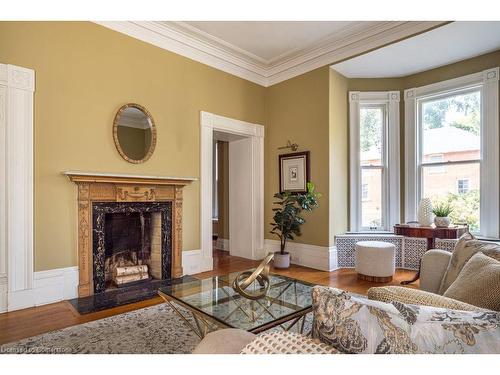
(84, 74)
(339, 156)
(461, 68)
(298, 110)
(374, 84)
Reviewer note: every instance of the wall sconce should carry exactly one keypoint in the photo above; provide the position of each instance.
(293, 146)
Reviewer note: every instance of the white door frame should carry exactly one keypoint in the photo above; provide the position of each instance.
(209, 123)
(17, 85)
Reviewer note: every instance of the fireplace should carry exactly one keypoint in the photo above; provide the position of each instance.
(127, 221)
(132, 242)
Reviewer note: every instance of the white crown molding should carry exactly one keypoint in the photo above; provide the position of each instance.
(173, 39)
(188, 41)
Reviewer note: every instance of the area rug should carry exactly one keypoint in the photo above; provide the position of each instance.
(156, 330)
(151, 330)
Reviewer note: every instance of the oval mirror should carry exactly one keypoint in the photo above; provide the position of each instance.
(134, 133)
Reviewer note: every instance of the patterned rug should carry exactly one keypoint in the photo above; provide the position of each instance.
(157, 329)
(151, 330)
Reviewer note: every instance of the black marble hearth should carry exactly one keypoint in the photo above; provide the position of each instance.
(123, 296)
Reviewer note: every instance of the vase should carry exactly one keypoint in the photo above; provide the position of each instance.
(425, 215)
(442, 222)
(281, 260)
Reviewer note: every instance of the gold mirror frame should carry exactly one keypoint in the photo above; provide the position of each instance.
(153, 133)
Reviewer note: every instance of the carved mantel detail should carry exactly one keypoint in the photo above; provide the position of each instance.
(101, 187)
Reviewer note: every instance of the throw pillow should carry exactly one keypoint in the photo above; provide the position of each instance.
(282, 342)
(357, 325)
(478, 283)
(465, 248)
(416, 297)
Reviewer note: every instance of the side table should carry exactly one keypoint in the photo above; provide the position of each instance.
(430, 233)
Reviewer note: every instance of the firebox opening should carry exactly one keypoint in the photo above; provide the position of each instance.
(132, 248)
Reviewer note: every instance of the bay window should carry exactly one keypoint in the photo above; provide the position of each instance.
(451, 142)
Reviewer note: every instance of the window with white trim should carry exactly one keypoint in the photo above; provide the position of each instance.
(374, 161)
(450, 153)
(449, 124)
(372, 150)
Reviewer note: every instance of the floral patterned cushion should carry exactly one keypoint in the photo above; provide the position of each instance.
(357, 325)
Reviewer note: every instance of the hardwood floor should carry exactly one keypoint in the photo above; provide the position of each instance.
(20, 324)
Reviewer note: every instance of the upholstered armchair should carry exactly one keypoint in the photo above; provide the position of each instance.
(439, 269)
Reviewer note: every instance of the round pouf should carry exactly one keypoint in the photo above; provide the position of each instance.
(375, 261)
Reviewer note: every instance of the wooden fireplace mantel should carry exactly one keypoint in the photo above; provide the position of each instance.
(112, 187)
(80, 176)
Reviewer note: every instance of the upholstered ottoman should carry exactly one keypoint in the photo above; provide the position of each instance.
(375, 261)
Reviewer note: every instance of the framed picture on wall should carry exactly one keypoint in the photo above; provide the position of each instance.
(294, 172)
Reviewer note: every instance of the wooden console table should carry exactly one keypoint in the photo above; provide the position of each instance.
(430, 233)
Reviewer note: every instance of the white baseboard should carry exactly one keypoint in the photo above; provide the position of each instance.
(318, 257)
(49, 286)
(56, 285)
(207, 264)
(191, 262)
(62, 283)
(20, 299)
(3, 294)
(222, 244)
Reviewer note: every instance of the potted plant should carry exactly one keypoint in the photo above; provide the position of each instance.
(287, 220)
(442, 212)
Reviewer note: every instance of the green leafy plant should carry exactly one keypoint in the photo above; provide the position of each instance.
(442, 209)
(465, 208)
(287, 219)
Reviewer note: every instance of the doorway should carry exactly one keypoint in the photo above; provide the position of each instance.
(245, 213)
(220, 194)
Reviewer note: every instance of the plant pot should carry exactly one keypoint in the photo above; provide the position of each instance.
(442, 222)
(281, 260)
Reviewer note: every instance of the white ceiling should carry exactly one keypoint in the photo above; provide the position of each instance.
(269, 41)
(269, 52)
(445, 45)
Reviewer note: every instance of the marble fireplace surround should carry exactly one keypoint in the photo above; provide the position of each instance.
(99, 211)
(94, 187)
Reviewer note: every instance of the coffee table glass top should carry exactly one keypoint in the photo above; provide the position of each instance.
(216, 298)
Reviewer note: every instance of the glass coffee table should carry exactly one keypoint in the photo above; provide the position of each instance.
(211, 304)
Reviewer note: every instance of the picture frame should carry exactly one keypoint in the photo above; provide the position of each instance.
(294, 172)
